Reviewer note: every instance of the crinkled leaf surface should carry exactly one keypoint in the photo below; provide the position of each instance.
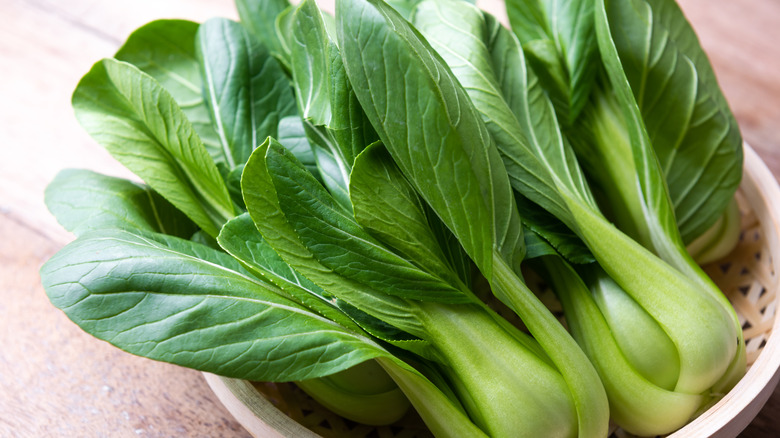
(142, 126)
(177, 301)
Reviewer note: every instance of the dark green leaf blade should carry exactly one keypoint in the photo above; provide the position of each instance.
(574, 33)
(386, 205)
(560, 36)
(312, 57)
(165, 49)
(537, 160)
(554, 232)
(528, 19)
(427, 122)
(177, 301)
(246, 88)
(140, 124)
(240, 238)
(339, 243)
(349, 127)
(83, 200)
(264, 208)
(309, 47)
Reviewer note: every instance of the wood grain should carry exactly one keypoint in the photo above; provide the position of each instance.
(57, 381)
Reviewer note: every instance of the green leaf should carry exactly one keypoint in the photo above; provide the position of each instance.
(655, 211)
(529, 19)
(284, 27)
(404, 7)
(568, 26)
(654, 204)
(83, 200)
(177, 301)
(242, 240)
(527, 134)
(527, 99)
(165, 49)
(429, 126)
(688, 121)
(386, 206)
(437, 137)
(264, 207)
(554, 233)
(259, 17)
(313, 54)
(309, 47)
(339, 243)
(349, 127)
(292, 135)
(140, 124)
(245, 87)
(573, 32)
(332, 168)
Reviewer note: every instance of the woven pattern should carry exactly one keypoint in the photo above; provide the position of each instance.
(746, 276)
(301, 408)
(748, 279)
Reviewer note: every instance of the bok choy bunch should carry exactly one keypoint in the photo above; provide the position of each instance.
(637, 101)
(322, 194)
(660, 282)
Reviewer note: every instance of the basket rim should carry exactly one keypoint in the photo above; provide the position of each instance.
(746, 399)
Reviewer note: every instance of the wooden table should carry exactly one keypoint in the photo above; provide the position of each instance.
(57, 381)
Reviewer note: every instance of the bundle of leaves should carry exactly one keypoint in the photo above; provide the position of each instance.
(323, 194)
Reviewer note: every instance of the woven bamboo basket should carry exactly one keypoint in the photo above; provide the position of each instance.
(748, 276)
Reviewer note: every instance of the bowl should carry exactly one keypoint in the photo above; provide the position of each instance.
(748, 277)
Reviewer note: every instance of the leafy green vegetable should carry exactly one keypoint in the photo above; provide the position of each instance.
(682, 107)
(388, 208)
(165, 49)
(656, 286)
(559, 37)
(245, 88)
(327, 199)
(181, 302)
(141, 125)
(83, 201)
(451, 139)
(259, 16)
(637, 403)
(452, 330)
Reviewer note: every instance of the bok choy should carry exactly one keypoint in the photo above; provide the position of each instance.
(325, 196)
